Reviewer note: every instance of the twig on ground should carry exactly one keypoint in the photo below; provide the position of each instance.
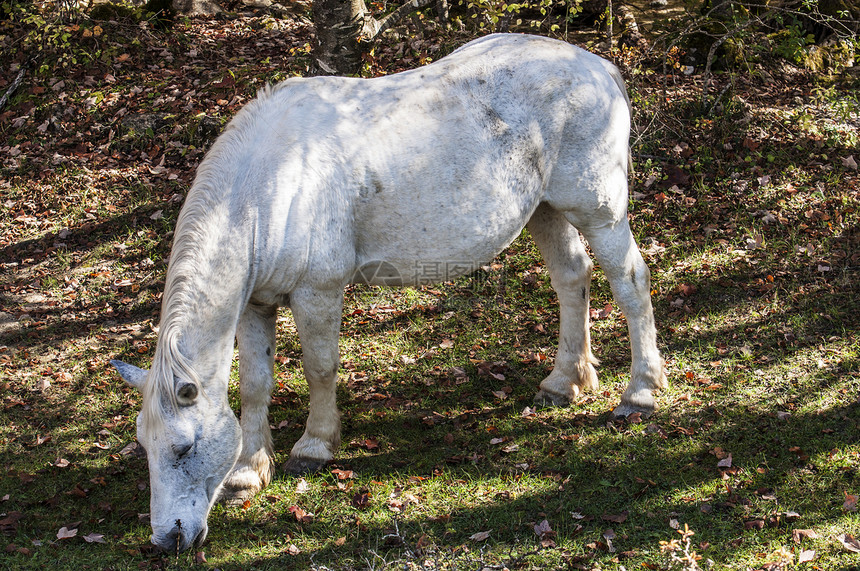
(16, 83)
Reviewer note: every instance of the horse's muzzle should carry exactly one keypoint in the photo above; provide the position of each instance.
(179, 539)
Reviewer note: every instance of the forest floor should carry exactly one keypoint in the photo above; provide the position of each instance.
(746, 208)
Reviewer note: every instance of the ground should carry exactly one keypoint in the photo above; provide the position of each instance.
(746, 209)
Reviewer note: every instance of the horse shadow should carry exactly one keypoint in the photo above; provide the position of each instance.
(584, 489)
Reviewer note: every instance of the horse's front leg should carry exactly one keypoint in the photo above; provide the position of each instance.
(317, 314)
(256, 338)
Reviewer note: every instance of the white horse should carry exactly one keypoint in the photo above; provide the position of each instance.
(325, 181)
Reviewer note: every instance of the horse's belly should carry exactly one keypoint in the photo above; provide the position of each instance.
(432, 243)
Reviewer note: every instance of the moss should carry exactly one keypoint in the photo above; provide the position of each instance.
(833, 57)
(105, 11)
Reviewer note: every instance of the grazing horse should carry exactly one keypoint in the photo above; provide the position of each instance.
(326, 181)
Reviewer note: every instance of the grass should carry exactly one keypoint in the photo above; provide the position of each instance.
(444, 463)
(420, 436)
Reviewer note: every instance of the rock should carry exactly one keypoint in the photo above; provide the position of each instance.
(143, 123)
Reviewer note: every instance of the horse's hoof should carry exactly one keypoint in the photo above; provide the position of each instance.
(547, 399)
(235, 496)
(626, 410)
(298, 465)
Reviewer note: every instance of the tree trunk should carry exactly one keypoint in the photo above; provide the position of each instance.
(187, 7)
(339, 25)
(345, 29)
(630, 34)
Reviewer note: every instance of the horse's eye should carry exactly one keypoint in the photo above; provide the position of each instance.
(181, 449)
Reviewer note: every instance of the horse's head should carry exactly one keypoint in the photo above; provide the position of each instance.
(191, 444)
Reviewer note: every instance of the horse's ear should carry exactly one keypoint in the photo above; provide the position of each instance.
(186, 393)
(135, 376)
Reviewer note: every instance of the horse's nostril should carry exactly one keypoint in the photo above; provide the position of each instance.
(199, 539)
(171, 542)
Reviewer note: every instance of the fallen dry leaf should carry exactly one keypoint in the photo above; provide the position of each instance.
(848, 542)
(480, 536)
(543, 529)
(545, 533)
(725, 462)
(798, 534)
(93, 537)
(343, 474)
(361, 499)
(850, 503)
(754, 524)
(605, 312)
(301, 515)
(423, 541)
(9, 524)
(66, 533)
(608, 536)
(805, 556)
(615, 518)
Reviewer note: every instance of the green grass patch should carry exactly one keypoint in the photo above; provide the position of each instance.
(750, 229)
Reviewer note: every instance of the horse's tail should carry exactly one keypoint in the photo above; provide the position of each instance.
(616, 75)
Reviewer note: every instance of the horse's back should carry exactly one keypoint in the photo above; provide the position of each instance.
(441, 164)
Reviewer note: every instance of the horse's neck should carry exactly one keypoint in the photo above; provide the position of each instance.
(207, 287)
(206, 339)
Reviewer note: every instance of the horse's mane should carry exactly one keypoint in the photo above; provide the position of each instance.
(169, 362)
(191, 233)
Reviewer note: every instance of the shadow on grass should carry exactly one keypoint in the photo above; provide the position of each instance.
(650, 474)
(48, 321)
(662, 471)
(616, 472)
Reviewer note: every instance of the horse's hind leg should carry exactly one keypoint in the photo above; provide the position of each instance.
(318, 314)
(256, 339)
(570, 271)
(630, 279)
